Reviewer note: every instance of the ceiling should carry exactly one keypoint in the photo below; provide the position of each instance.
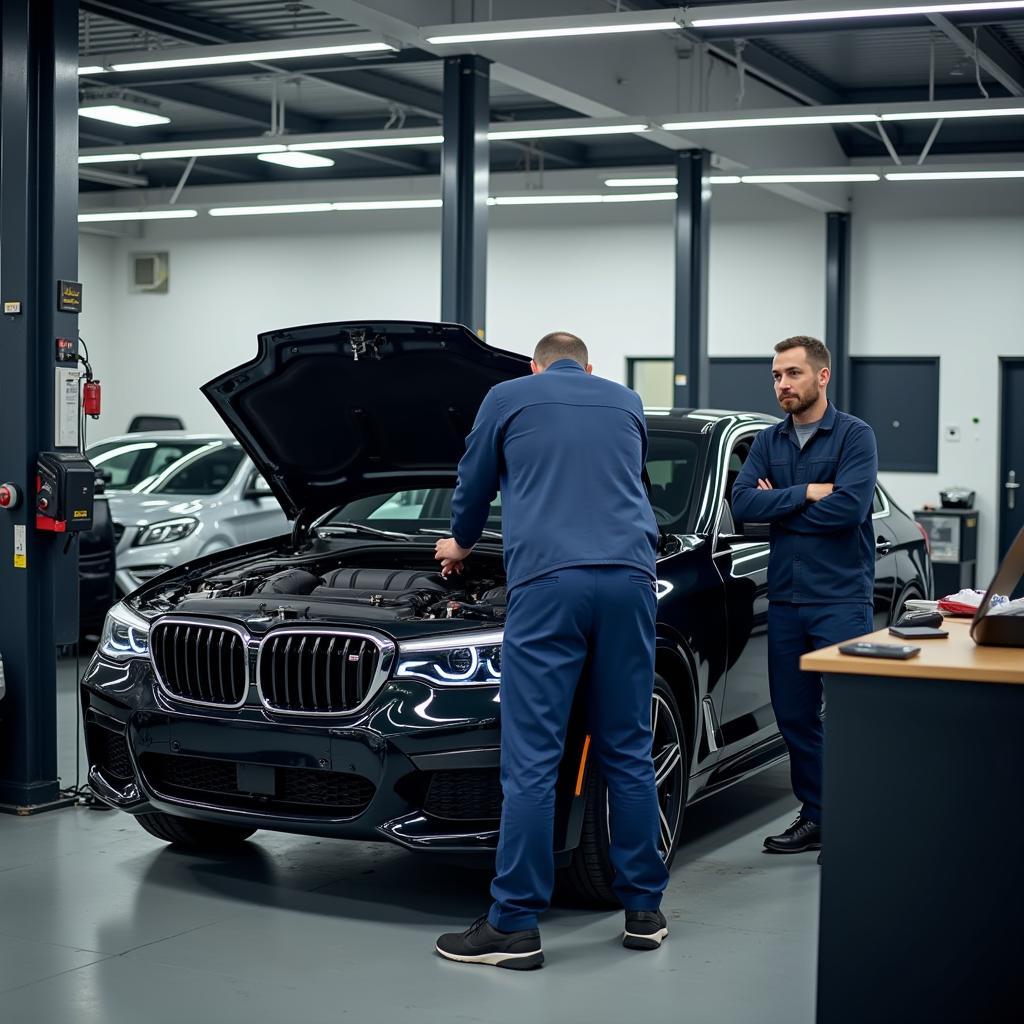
(908, 59)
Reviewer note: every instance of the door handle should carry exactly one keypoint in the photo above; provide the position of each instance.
(883, 546)
(1011, 486)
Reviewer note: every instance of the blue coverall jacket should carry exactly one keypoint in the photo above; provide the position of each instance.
(565, 504)
(821, 552)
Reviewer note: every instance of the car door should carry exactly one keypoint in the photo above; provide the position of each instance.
(886, 563)
(257, 514)
(742, 562)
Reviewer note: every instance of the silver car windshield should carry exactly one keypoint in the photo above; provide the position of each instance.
(207, 472)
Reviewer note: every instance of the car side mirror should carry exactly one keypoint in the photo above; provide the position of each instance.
(258, 488)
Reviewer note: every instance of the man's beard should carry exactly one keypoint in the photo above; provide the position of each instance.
(803, 404)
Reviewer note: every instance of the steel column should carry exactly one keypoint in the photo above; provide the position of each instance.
(693, 234)
(464, 180)
(837, 305)
(38, 246)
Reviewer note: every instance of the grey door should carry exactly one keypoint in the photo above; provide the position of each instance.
(1011, 457)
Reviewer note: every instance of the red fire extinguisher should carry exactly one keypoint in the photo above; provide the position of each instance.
(91, 398)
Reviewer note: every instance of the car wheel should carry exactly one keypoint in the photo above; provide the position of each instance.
(910, 594)
(587, 879)
(196, 835)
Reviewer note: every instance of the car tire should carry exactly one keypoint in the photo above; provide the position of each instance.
(587, 879)
(910, 594)
(196, 835)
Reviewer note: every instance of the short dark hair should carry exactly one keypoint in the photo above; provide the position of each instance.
(560, 345)
(817, 354)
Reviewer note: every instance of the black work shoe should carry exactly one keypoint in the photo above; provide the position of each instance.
(482, 944)
(802, 835)
(645, 929)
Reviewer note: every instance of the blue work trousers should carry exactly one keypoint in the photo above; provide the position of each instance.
(793, 630)
(554, 622)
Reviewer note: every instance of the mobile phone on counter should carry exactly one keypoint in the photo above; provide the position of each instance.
(865, 649)
(918, 632)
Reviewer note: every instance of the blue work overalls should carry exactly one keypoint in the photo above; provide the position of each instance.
(567, 449)
(821, 568)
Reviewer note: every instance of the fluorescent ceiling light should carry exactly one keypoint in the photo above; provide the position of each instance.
(369, 204)
(389, 204)
(724, 179)
(256, 211)
(108, 158)
(299, 160)
(174, 154)
(951, 175)
(245, 58)
(639, 197)
(404, 140)
(942, 115)
(805, 179)
(638, 182)
(90, 218)
(557, 133)
(128, 116)
(770, 122)
(554, 33)
(92, 69)
(541, 200)
(857, 12)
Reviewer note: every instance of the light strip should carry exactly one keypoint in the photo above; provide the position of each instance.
(558, 133)
(174, 154)
(108, 158)
(553, 33)
(638, 182)
(542, 200)
(857, 12)
(951, 175)
(91, 218)
(943, 115)
(247, 58)
(369, 204)
(92, 69)
(770, 122)
(296, 160)
(805, 179)
(129, 117)
(639, 197)
(405, 140)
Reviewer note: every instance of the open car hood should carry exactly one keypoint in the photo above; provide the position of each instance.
(331, 412)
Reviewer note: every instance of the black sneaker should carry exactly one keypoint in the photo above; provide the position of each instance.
(482, 944)
(645, 929)
(802, 835)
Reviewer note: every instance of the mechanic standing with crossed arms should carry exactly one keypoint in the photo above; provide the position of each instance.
(567, 451)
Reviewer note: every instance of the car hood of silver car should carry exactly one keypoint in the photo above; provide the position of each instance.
(330, 412)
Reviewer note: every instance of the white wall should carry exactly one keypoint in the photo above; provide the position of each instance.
(936, 271)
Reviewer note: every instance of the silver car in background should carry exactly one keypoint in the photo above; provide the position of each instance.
(174, 497)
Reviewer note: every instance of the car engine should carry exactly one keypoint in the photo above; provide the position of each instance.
(321, 588)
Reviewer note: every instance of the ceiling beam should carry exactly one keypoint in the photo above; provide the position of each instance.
(994, 58)
(160, 19)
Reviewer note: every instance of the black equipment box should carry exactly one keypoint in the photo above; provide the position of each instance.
(65, 484)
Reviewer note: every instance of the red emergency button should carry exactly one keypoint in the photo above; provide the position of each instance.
(9, 496)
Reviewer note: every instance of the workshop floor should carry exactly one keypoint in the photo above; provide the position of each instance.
(101, 923)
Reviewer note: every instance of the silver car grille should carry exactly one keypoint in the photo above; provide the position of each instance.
(201, 663)
(299, 670)
(303, 671)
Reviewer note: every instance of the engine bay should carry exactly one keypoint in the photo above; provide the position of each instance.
(370, 583)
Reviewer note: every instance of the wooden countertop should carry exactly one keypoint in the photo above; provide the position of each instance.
(954, 657)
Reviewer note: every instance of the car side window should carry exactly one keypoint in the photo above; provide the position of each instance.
(738, 455)
(877, 504)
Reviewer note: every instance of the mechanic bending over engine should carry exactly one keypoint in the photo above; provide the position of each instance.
(567, 451)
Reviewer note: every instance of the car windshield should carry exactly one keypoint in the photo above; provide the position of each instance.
(207, 472)
(671, 464)
(125, 463)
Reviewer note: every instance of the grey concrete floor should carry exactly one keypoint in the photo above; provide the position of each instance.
(99, 922)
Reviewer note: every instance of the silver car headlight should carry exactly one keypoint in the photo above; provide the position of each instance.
(469, 659)
(125, 634)
(168, 531)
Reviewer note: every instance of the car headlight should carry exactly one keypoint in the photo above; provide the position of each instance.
(469, 659)
(125, 634)
(168, 531)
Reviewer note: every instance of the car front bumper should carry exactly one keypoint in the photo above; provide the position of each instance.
(417, 767)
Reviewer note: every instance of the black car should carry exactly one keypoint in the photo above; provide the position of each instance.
(96, 567)
(332, 683)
